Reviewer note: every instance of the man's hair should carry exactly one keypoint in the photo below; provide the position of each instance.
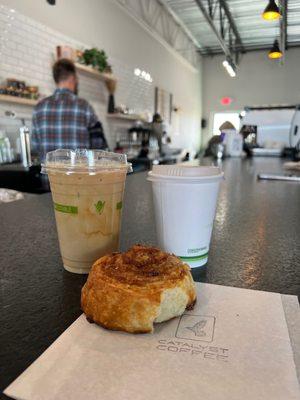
(63, 69)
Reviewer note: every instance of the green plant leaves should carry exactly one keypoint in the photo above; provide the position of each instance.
(96, 58)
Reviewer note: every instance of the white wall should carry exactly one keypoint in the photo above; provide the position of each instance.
(259, 81)
(37, 28)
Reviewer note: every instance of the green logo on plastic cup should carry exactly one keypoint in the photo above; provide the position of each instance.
(100, 206)
(66, 209)
(119, 205)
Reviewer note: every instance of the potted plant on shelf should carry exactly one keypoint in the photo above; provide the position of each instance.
(95, 58)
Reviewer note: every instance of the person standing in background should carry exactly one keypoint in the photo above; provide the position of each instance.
(64, 120)
(158, 130)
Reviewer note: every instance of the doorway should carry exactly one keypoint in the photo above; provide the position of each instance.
(220, 118)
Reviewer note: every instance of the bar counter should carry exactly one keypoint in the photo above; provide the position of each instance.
(255, 245)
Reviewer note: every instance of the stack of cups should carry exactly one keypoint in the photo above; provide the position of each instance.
(185, 199)
(87, 189)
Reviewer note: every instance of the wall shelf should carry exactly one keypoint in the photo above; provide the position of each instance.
(128, 117)
(17, 100)
(93, 73)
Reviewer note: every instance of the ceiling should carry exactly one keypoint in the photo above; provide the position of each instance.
(255, 32)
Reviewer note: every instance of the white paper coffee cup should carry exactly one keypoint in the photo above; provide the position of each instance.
(185, 199)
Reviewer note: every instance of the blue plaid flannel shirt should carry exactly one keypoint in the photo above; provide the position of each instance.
(63, 120)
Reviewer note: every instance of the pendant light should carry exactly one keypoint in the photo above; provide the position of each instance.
(271, 11)
(275, 51)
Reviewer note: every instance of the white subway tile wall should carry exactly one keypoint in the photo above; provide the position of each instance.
(27, 52)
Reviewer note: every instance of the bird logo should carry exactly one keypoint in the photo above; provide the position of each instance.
(198, 328)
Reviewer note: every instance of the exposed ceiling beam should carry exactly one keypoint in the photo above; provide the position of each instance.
(211, 23)
(232, 24)
(180, 23)
(283, 26)
(227, 27)
(156, 19)
(214, 52)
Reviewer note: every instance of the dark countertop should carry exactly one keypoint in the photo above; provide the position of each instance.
(14, 166)
(255, 244)
(25, 179)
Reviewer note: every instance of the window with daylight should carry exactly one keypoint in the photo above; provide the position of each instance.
(220, 118)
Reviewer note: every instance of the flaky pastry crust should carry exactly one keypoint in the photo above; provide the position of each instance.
(130, 291)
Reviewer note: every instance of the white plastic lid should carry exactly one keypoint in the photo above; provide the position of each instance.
(84, 160)
(182, 173)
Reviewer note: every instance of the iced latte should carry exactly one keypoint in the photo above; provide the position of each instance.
(87, 189)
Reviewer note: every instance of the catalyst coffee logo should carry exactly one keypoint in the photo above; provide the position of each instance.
(196, 327)
(194, 336)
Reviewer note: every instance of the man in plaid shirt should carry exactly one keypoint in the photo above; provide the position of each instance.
(63, 120)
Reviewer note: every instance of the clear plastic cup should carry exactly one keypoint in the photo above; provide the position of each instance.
(185, 199)
(87, 189)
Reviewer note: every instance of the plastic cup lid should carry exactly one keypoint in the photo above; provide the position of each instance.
(185, 173)
(84, 160)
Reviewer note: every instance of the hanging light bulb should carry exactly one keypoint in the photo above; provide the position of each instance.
(275, 51)
(271, 11)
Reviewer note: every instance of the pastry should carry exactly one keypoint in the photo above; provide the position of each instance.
(131, 291)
